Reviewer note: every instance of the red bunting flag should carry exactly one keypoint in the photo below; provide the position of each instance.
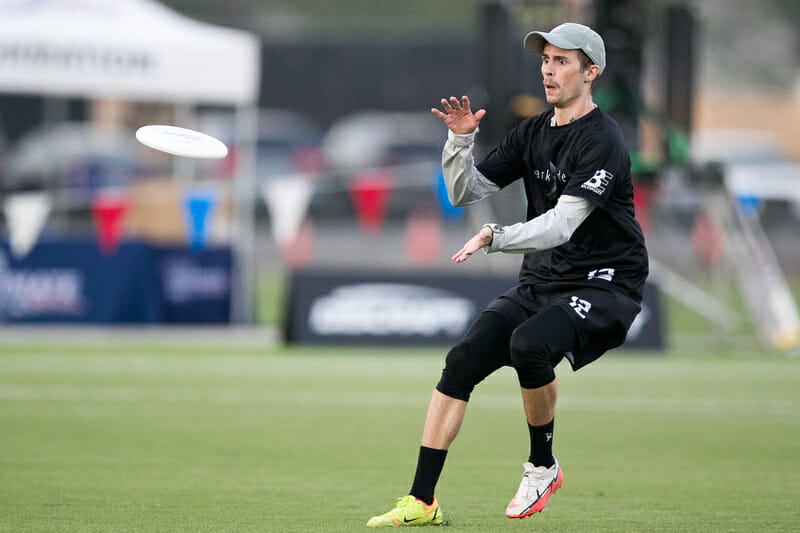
(707, 240)
(423, 238)
(108, 212)
(370, 195)
(642, 198)
(297, 252)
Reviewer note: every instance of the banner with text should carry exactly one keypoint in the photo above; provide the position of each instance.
(417, 308)
(74, 281)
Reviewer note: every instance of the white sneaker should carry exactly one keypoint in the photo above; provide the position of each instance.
(537, 484)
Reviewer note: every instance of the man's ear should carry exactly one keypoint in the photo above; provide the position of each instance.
(591, 73)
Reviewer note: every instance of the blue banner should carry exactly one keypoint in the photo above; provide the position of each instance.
(71, 281)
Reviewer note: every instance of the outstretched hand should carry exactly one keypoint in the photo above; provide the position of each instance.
(479, 240)
(458, 116)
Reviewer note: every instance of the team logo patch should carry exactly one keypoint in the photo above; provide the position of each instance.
(598, 183)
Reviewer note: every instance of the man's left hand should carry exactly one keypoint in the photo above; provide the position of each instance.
(482, 238)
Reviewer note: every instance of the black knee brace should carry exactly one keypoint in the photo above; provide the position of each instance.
(459, 375)
(538, 344)
(483, 350)
(531, 358)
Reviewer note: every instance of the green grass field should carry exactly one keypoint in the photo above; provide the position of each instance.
(119, 437)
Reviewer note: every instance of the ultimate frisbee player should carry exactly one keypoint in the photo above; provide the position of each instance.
(583, 271)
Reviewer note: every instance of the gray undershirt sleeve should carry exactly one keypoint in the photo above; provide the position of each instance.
(550, 229)
(465, 184)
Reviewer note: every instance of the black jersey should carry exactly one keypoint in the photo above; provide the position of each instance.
(585, 158)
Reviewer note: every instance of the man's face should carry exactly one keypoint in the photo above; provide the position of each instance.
(563, 78)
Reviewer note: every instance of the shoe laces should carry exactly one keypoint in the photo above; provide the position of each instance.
(405, 501)
(532, 479)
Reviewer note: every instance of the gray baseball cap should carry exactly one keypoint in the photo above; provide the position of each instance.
(570, 36)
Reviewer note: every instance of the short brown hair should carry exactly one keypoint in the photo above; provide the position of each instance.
(586, 62)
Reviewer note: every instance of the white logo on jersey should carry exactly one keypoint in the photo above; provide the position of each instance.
(602, 273)
(581, 307)
(598, 183)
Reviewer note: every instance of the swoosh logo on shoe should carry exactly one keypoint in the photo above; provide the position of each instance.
(407, 521)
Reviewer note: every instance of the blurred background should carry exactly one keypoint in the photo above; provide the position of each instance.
(334, 165)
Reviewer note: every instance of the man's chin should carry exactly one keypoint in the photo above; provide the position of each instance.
(551, 99)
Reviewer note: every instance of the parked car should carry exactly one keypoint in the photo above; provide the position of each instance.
(754, 164)
(404, 147)
(376, 139)
(288, 142)
(74, 159)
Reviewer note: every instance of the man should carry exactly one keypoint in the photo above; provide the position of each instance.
(583, 272)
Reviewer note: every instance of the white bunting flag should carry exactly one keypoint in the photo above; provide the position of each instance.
(287, 199)
(26, 214)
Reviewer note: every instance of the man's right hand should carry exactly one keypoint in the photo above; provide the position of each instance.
(458, 116)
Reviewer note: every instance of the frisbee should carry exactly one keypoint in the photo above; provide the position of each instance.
(181, 141)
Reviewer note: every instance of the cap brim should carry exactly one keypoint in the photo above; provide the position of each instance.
(534, 42)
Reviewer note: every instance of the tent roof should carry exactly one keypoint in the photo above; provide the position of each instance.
(128, 49)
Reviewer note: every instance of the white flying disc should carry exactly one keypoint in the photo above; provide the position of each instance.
(181, 141)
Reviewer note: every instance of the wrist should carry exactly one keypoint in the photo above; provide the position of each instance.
(487, 232)
(462, 139)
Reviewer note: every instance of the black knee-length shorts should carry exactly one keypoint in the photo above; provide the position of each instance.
(600, 318)
(580, 323)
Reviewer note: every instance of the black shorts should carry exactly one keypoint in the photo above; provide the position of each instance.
(601, 316)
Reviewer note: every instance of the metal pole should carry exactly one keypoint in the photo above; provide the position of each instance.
(243, 240)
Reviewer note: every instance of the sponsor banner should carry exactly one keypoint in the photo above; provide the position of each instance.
(385, 307)
(416, 308)
(73, 281)
(195, 286)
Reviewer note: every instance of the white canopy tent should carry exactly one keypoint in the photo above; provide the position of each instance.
(127, 49)
(140, 50)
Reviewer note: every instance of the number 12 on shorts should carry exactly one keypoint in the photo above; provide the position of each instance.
(581, 307)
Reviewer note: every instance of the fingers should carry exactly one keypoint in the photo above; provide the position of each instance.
(469, 248)
(461, 256)
(453, 104)
(458, 115)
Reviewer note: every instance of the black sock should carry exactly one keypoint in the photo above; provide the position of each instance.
(541, 445)
(429, 466)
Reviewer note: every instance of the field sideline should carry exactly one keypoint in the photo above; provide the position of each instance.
(120, 436)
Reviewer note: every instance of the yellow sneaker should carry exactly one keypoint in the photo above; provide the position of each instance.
(409, 512)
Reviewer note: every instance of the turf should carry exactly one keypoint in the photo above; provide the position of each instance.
(119, 437)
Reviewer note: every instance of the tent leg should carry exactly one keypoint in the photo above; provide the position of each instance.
(244, 227)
